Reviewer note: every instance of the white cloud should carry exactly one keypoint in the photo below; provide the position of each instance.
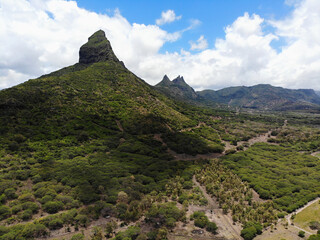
(167, 17)
(201, 44)
(37, 37)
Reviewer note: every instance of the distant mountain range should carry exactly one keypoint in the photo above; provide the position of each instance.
(260, 97)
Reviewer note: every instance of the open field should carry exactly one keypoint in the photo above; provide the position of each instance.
(279, 233)
(309, 214)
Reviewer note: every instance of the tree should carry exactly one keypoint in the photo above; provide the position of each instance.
(248, 233)
(122, 197)
(212, 227)
(97, 233)
(110, 227)
(162, 234)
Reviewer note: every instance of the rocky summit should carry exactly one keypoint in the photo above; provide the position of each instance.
(97, 49)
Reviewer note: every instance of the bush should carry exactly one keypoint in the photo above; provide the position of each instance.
(82, 219)
(301, 234)
(200, 219)
(314, 225)
(4, 212)
(10, 193)
(33, 230)
(53, 207)
(26, 197)
(248, 233)
(212, 227)
(30, 206)
(250, 230)
(78, 236)
(55, 223)
(26, 215)
(314, 237)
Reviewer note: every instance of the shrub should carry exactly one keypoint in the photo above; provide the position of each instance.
(301, 234)
(212, 227)
(30, 206)
(53, 207)
(200, 219)
(250, 230)
(248, 233)
(55, 223)
(4, 212)
(26, 197)
(78, 236)
(33, 230)
(314, 225)
(82, 219)
(10, 193)
(26, 215)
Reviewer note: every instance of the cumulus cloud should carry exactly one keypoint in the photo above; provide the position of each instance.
(167, 17)
(37, 37)
(201, 44)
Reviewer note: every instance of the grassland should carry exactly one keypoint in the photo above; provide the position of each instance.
(309, 214)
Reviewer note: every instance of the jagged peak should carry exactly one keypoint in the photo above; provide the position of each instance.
(165, 81)
(179, 80)
(97, 49)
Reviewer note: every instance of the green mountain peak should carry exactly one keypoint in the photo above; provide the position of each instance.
(97, 49)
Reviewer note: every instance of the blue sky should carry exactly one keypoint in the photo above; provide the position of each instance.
(214, 15)
(213, 44)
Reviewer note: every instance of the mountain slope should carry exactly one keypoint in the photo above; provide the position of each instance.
(263, 97)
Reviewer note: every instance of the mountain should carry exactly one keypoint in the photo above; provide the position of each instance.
(90, 141)
(263, 97)
(317, 92)
(97, 89)
(177, 88)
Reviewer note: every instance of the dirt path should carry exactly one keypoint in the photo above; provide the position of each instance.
(224, 222)
(315, 153)
(288, 217)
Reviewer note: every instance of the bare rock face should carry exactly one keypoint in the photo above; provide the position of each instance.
(97, 49)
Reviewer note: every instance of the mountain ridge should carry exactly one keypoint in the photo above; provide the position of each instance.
(260, 96)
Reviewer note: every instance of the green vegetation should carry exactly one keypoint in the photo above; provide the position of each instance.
(94, 141)
(250, 230)
(235, 196)
(202, 221)
(301, 234)
(290, 178)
